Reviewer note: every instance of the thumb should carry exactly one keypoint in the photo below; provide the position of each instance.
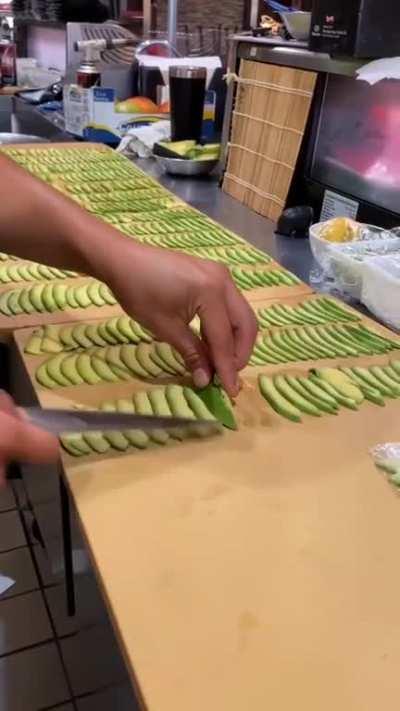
(193, 351)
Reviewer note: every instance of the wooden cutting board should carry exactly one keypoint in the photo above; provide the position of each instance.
(255, 570)
(258, 570)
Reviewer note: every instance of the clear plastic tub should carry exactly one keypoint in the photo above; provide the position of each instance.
(348, 260)
(381, 288)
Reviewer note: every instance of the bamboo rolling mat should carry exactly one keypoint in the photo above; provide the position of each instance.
(268, 124)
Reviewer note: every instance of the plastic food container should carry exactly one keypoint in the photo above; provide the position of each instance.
(381, 288)
(320, 248)
(348, 261)
(368, 238)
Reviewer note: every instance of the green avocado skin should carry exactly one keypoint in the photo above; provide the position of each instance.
(218, 403)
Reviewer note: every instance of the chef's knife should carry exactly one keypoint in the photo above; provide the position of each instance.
(59, 421)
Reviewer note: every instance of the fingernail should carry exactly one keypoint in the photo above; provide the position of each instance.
(201, 378)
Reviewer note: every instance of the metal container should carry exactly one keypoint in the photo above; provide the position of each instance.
(183, 166)
(21, 138)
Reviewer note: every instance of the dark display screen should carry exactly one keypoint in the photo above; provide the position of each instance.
(357, 146)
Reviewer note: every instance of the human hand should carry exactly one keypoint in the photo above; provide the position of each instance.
(164, 290)
(21, 441)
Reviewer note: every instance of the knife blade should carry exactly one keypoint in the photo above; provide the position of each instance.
(58, 421)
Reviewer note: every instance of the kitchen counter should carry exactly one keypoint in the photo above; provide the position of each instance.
(258, 569)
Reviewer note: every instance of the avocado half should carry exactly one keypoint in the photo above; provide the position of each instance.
(176, 149)
(188, 150)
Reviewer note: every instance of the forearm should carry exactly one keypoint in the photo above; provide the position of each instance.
(37, 222)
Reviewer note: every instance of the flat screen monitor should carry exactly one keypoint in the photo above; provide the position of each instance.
(357, 143)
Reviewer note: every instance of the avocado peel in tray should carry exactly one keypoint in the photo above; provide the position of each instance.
(219, 404)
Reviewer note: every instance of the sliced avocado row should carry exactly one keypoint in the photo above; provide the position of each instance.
(124, 196)
(112, 331)
(308, 312)
(5, 257)
(173, 400)
(325, 390)
(225, 254)
(31, 271)
(253, 279)
(287, 345)
(110, 365)
(43, 298)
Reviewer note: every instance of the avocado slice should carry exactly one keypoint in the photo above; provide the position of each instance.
(112, 355)
(131, 361)
(105, 334)
(25, 272)
(70, 298)
(142, 353)
(114, 331)
(59, 295)
(53, 367)
(172, 359)
(138, 438)
(338, 396)
(74, 444)
(278, 403)
(294, 397)
(85, 369)
(102, 369)
(67, 338)
(370, 393)
(202, 413)
(94, 336)
(79, 335)
(124, 327)
(341, 382)
(25, 302)
(94, 295)
(69, 370)
(218, 403)
(43, 377)
(96, 441)
(384, 378)
(34, 345)
(4, 307)
(49, 345)
(117, 440)
(160, 406)
(143, 407)
(311, 393)
(106, 295)
(81, 295)
(13, 302)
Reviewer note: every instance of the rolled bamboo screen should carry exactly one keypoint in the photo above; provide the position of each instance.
(268, 123)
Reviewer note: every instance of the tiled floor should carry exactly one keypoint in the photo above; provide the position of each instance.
(48, 660)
